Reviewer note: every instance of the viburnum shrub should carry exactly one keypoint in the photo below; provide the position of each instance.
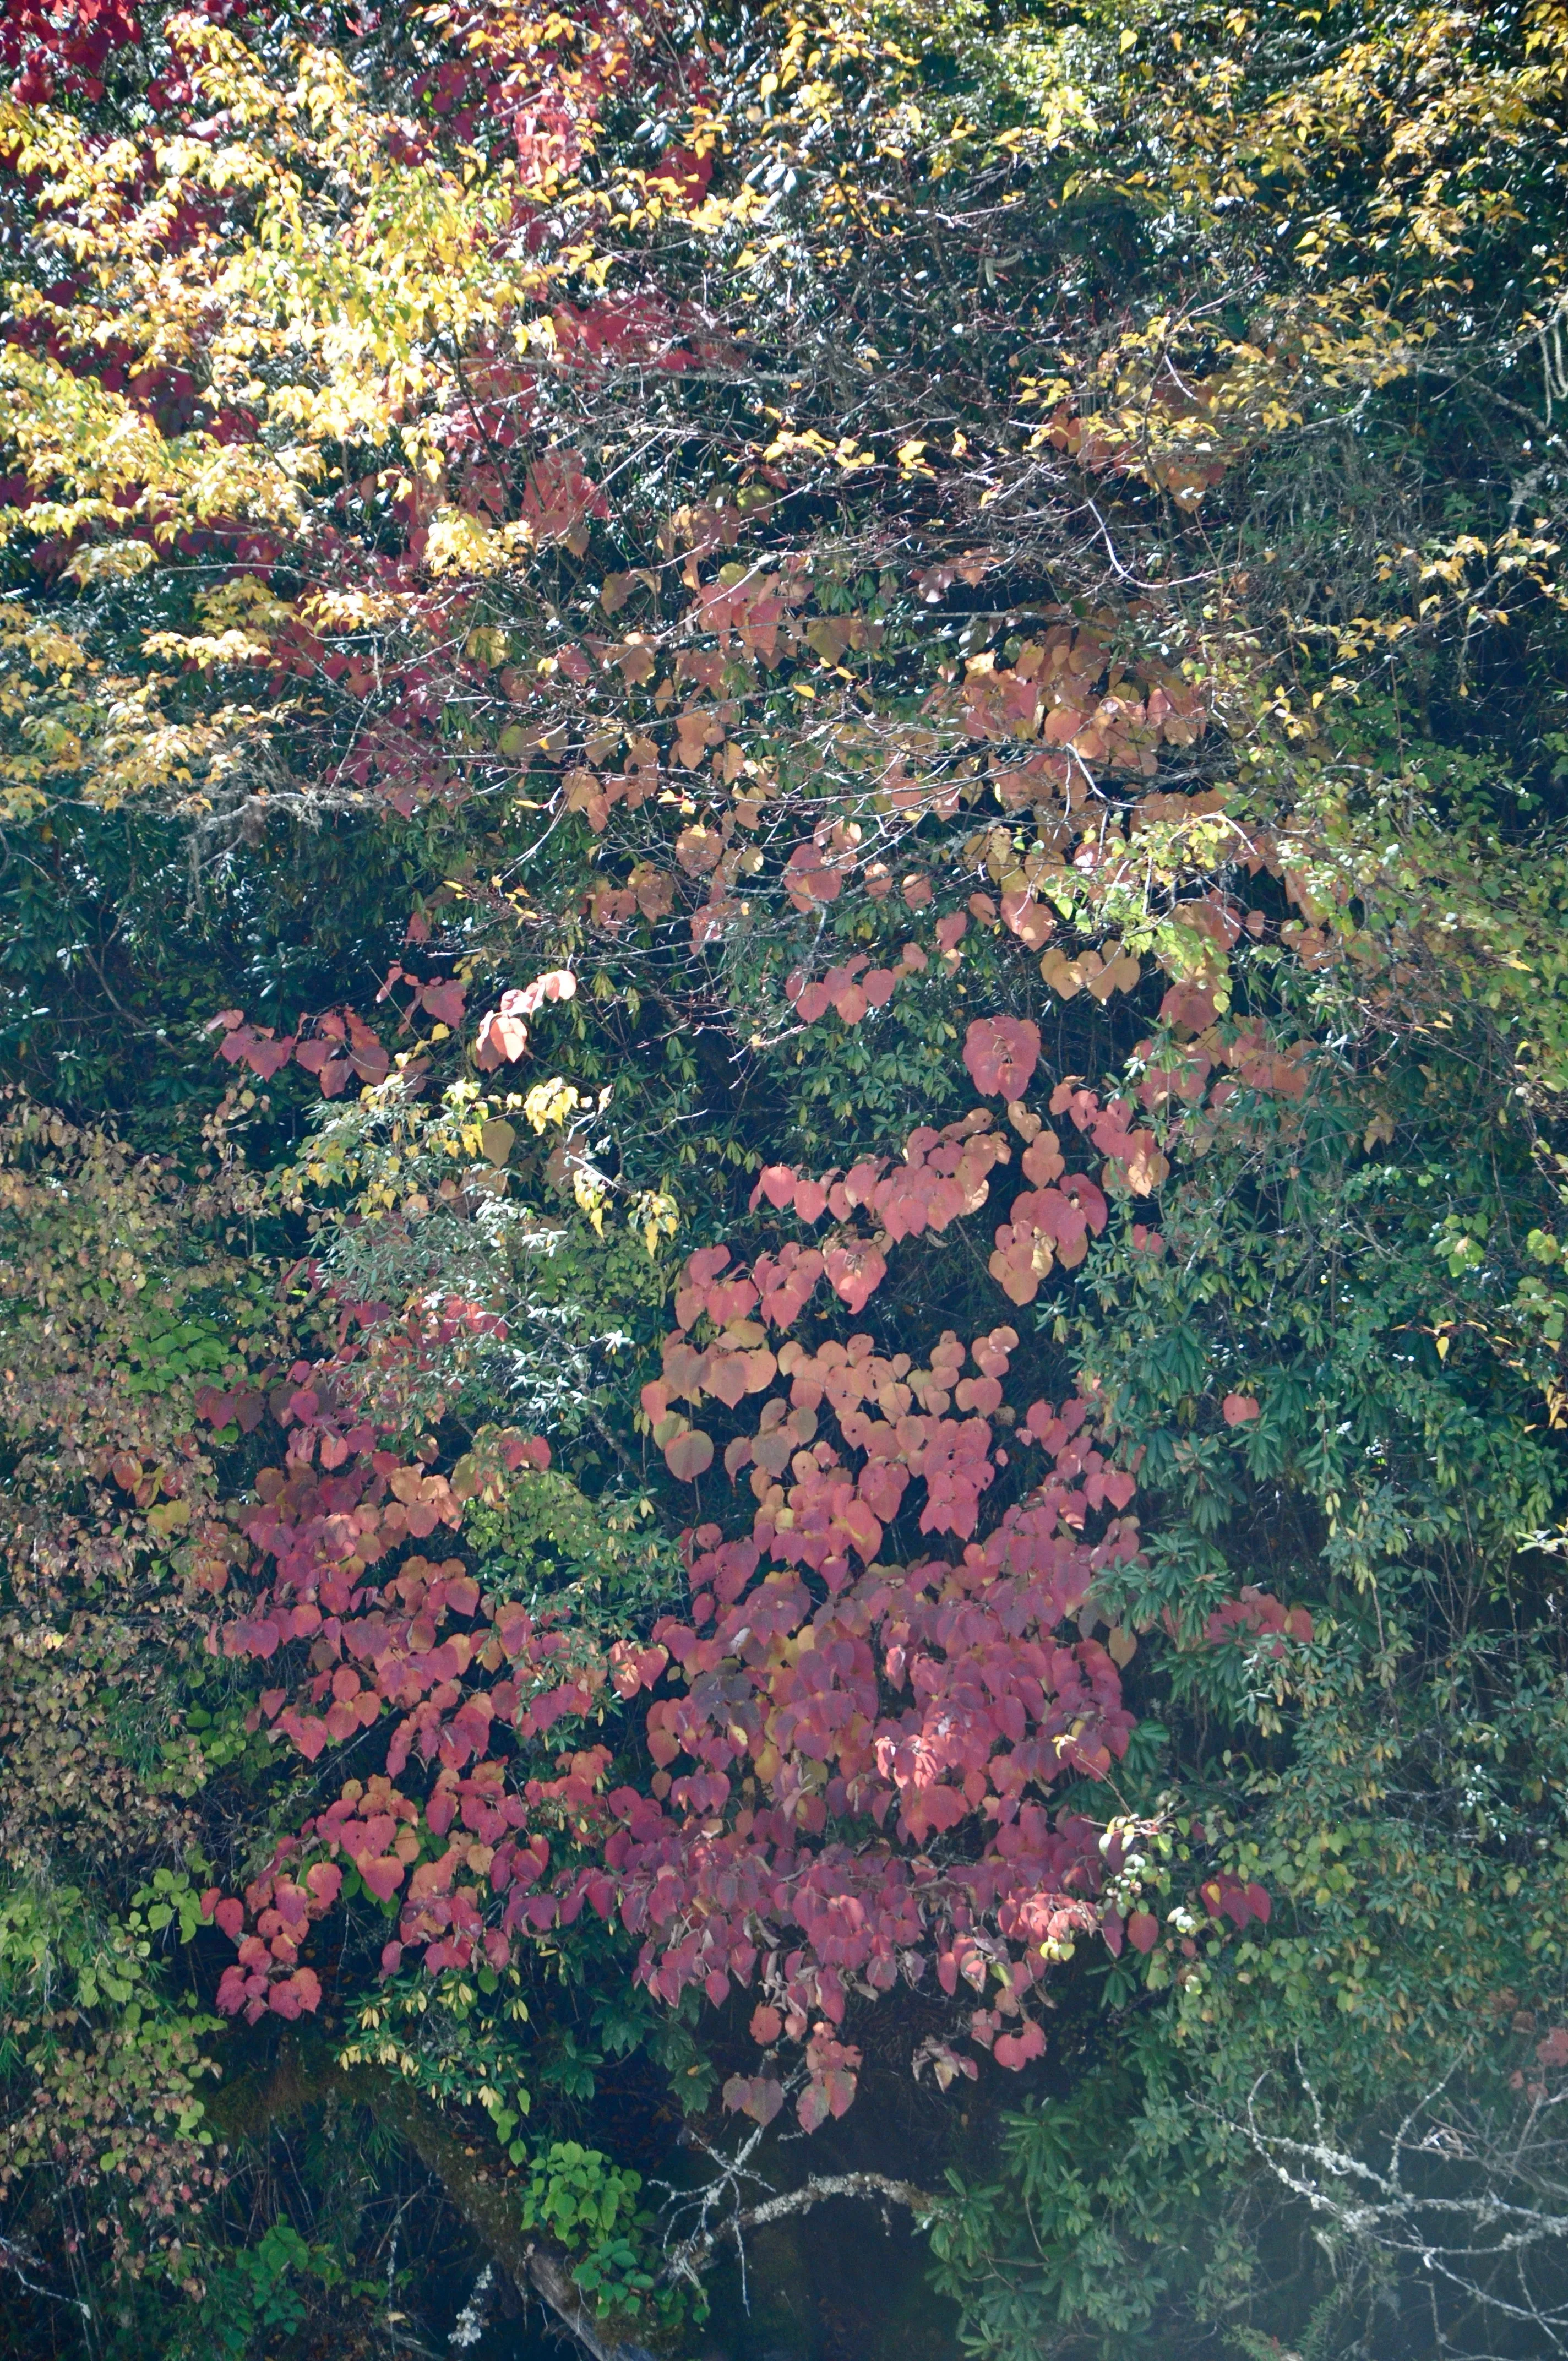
(813, 1692)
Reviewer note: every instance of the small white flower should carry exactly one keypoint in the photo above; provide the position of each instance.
(471, 2318)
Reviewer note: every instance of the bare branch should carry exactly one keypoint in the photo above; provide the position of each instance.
(697, 2253)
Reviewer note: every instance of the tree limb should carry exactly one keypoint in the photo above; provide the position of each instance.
(697, 2253)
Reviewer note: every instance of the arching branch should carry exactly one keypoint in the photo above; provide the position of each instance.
(696, 2254)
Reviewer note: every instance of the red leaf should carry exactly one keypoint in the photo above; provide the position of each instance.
(809, 880)
(1143, 1930)
(257, 1049)
(854, 1272)
(1014, 2050)
(303, 1990)
(810, 1200)
(757, 2095)
(812, 2107)
(689, 1456)
(1001, 1053)
(1027, 918)
(1237, 1408)
(230, 1994)
(283, 1998)
(445, 1002)
(557, 983)
(503, 1036)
